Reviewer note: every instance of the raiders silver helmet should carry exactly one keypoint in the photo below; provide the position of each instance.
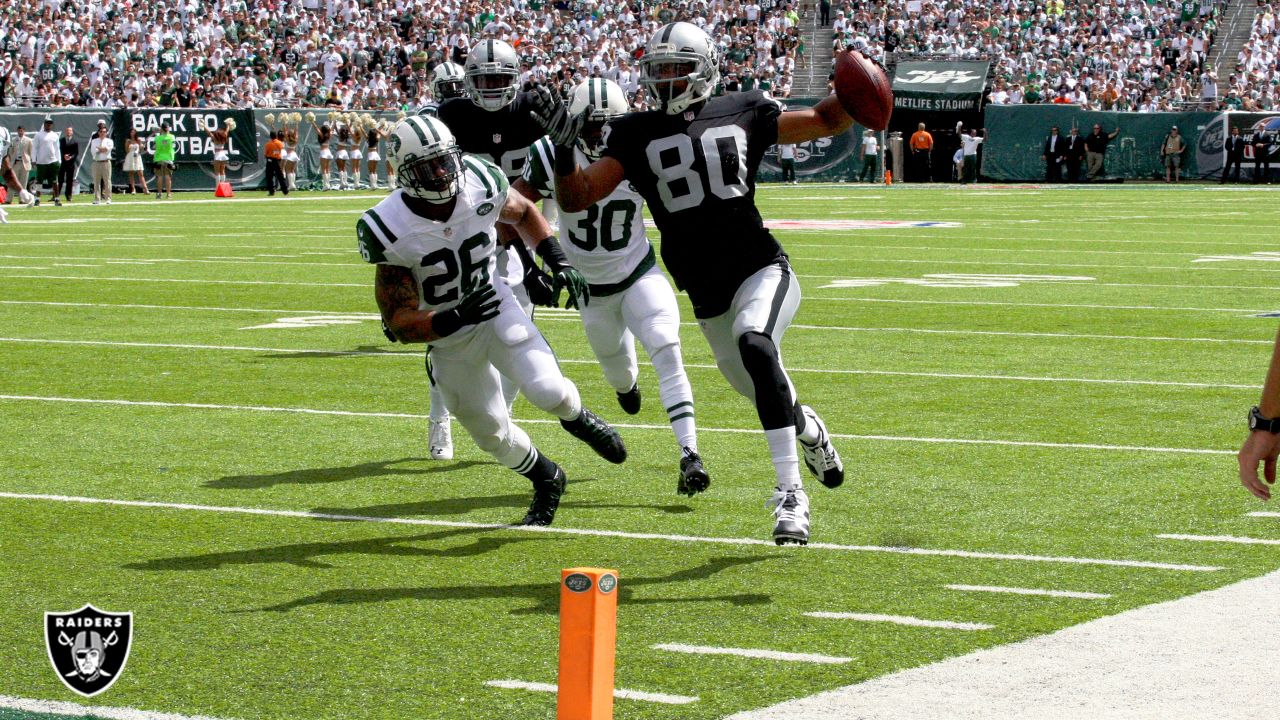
(448, 81)
(680, 67)
(492, 74)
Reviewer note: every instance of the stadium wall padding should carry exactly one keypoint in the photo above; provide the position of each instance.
(830, 159)
(1016, 133)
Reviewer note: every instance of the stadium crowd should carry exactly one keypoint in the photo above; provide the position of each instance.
(352, 54)
(1134, 55)
(1253, 85)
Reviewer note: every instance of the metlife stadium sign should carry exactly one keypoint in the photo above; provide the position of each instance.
(939, 86)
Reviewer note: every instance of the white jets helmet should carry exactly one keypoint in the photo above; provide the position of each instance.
(606, 101)
(425, 158)
(447, 81)
(680, 53)
(492, 74)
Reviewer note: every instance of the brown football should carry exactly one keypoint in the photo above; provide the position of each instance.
(863, 90)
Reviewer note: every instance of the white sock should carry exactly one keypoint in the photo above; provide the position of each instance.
(438, 411)
(677, 395)
(782, 448)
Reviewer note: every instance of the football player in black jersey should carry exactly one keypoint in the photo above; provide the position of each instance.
(492, 119)
(694, 161)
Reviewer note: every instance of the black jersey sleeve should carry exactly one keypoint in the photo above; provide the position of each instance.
(764, 126)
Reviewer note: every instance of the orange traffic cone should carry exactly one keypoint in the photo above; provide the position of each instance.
(223, 190)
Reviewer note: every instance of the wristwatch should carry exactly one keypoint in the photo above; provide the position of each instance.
(1258, 422)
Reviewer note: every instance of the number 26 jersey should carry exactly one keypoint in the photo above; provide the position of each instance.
(697, 172)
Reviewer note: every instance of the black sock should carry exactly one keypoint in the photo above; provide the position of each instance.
(773, 393)
(543, 470)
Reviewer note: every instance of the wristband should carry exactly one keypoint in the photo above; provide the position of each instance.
(445, 323)
(550, 252)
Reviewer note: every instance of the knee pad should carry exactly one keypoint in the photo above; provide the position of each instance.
(545, 392)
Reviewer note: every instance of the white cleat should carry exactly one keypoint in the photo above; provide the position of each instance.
(791, 515)
(821, 458)
(441, 439)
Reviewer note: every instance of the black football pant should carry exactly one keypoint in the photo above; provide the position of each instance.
(275, 177)
(67, 178)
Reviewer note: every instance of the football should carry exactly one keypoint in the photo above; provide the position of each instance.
(863, 90)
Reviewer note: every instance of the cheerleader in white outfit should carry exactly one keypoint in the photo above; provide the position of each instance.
(290, 132)
(219, 138)
(323, 135)
(357, 149)
(373, 158)
(344, 141)
(133, 164)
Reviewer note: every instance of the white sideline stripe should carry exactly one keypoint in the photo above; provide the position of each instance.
(899, 620)
(1265, 514)
(1030, 591)
(185, 261)
(703, 366)
(52, 707)
(1171, 660)
(140, 306)
(1036, 305)
(85, 278)
(633, 426)
(752, 653)
(1220, 539)
(617, 692)
(968, 554)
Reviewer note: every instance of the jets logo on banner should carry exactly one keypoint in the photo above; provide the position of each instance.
(88, 647)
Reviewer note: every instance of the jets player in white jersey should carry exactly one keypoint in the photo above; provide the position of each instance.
(629, 296)
(435, 244)
(694, 160)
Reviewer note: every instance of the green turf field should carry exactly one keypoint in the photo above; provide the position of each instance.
(1027, 427)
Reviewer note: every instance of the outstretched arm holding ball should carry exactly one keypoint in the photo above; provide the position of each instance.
(863, 95)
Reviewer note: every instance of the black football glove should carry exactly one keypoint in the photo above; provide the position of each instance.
(537, 283)
(552, 114)
(477, 306)
(563, 275)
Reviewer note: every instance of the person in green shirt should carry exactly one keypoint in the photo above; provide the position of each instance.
(163, 156)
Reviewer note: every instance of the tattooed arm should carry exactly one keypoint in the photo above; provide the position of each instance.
(397, 295)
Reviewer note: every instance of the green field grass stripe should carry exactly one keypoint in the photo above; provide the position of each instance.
(753, 653)
(1220, 539)
(51, 710)
(968, 554)
(899, 620)
(633, 426)
(698, 366)
(620, 693)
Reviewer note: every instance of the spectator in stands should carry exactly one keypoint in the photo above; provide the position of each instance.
(921, 154)
(1234, 149)
(1096, 149)
(1171, 150)
(48, 159)
(1052, 154)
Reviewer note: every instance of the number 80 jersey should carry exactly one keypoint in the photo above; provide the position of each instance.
(697, 172)
(448, 259)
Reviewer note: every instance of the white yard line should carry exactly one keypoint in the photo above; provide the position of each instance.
(633, 426)
(410, 353)
(1219, 539)
(1203, 656)
(899, 620)
(753, 653)
(1035, 305)
(187, 281)
(52, 707)
(213, 260)
(661, 698)
(1030, 591)
(1264, 514)
(560, 530)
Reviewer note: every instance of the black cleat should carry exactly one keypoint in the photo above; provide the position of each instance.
(821, 458)
(629, 401)
(693, 477)
(546, 498)
(594, 431)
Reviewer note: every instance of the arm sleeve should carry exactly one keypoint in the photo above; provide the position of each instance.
(374, 239)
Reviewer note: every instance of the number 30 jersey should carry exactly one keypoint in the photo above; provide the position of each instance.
(448, 259)
(605, 242)
(697, 172)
